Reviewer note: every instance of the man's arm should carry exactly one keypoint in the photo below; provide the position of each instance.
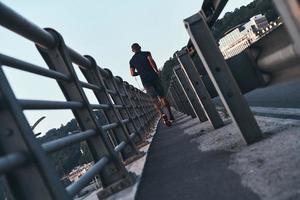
(153, 64)
(132, 69)
(133, 72)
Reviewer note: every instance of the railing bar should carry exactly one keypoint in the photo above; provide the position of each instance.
(120, 146)
(105, 106)
(83, 62)
(90, 86)
(75, 187)
(132, 135)
(28, 67)
(60, 143)
(111, 91)
(125, 121)
(48, 105)
(109, 126)
(114, 125)
(118, 106)
(18, 24)
(100, 106)
(79, 59)
(11, 161)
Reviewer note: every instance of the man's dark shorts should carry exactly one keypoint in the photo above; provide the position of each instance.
(155, 89)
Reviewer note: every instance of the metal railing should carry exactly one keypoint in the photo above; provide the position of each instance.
(128, 111)
(189, 94)
(212, 60)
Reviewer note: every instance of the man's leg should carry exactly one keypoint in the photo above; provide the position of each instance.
(158, 106)
(151, 91)
(161, 93)
(167, 105)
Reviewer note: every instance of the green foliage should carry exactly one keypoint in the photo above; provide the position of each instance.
(68, 158)
(243, 14)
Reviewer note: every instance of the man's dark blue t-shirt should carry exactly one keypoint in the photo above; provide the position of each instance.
(141, 64)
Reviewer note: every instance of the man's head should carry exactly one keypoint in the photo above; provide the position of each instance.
(135, 47)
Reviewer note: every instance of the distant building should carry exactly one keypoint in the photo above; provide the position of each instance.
(259, 21)
(242, 36)
(76, 173)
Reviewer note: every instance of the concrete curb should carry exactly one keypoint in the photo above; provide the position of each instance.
(285, 113)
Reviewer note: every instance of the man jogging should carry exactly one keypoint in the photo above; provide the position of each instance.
(142, 64)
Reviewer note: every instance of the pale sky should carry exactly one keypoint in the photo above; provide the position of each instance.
(104, 29)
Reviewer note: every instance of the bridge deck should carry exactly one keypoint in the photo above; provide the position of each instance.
(177, 169)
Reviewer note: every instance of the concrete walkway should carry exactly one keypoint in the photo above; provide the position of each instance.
(177, 169)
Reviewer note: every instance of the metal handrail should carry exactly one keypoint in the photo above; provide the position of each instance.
(75, 187)
(117, 109)
(11, 161)
(20, 25)
(45, 105)
(28, 67)
(58, 144)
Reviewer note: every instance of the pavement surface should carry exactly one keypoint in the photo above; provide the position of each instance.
(177, 169)
(191, 160)
(135, 167)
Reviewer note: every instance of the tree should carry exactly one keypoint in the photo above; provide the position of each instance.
(69, 157)
(243, 14)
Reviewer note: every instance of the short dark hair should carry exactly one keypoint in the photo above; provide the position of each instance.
(135, 47)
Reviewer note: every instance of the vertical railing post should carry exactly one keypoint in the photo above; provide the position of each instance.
(130, 111)
(122, 113)
(35, 177)
(198, 86)
(139, 108)
(177, 99)
(148, 105)
(144, 108)
(188, 109)
(151, 108)
(174, 95)
(58, 59)
(94, 75)
(172, 100)
(134, 109)
(175, 104)
(222, 78)
(118, 99)
(289, 11)
(190, 93)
